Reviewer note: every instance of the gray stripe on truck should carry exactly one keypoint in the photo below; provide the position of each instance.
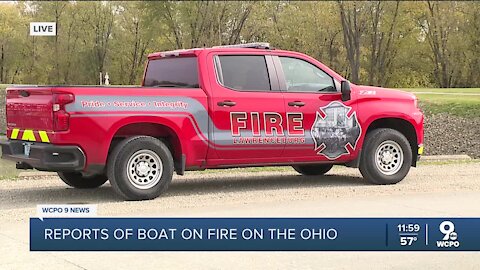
(195, 108)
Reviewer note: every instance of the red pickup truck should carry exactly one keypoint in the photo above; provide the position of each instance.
(221, 107)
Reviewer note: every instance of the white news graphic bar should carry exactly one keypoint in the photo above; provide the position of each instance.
(66, 210)
(43, 29)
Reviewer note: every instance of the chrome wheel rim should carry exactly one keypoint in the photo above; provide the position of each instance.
(389, 157)
(145, 169)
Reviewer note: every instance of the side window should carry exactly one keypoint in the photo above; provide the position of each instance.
(243, 72)
(302, 76)
(177, 72)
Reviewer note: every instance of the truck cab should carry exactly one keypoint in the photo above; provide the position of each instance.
(220, 107)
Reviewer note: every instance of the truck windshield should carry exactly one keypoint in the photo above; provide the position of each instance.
(180, 72)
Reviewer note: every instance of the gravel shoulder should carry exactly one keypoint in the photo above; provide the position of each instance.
(429, 190)
(234, 187)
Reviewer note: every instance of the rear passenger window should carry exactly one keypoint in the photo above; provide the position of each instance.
(176, 72)
(243, 72)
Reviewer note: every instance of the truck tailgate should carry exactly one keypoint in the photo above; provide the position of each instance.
(29, 108)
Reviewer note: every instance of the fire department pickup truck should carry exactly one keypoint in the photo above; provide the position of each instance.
(205, 108)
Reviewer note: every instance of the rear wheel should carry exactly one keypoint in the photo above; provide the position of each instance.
(317, 169)
(77, 180)
(386, 157)
(140, 168)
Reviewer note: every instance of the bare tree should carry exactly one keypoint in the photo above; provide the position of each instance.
(173, 24)
(437, 35)
(101, 20)
(2, 63)
(58, 9)
(141, 41)
(71, 40)
(383, 50)
(353, 26)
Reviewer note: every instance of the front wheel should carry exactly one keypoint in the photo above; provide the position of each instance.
(386, 157)
(77, 180)
(314, 169)
(140, 168)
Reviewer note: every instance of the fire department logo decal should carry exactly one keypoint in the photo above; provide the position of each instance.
(335, 128)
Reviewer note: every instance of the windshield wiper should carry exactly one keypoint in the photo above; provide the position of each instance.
(328, 88)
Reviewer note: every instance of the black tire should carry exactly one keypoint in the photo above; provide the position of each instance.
(368, 166)
(128, 184)
(314, 169)
(77, 180)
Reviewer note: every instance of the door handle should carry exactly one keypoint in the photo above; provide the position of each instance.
(227, 103)
(296, 103)
(24, 93)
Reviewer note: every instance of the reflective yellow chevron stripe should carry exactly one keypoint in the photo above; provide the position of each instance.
(29, 135)
(14, 133)
(44, 136)
(420, 150)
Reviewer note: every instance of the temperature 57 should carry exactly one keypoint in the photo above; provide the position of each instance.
(407, 240)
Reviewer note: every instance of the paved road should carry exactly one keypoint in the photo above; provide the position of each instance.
(428, 191)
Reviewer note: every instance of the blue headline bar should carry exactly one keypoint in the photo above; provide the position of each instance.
(255, 234)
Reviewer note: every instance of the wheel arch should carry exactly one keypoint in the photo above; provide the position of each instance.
(168, 133)
(401, 125)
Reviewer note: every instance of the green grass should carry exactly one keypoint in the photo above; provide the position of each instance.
(459, 105)
(447, 162)
(8, 170)
(444, 90)
(464, 106)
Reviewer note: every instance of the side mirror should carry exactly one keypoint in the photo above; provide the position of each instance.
(345, 89)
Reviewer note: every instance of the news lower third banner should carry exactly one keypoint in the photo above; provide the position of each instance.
(255, 234)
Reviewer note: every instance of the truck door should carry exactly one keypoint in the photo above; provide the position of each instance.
(312, 98)
(247, 107)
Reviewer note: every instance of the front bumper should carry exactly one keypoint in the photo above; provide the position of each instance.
(44, 156)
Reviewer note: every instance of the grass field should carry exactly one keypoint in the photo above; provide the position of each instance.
(464, 106)
(444, 90)
(457, 101)
(8, 170)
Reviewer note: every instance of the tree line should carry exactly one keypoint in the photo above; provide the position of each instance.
(382, 43)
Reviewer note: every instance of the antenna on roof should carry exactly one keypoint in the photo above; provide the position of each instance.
(254, 45)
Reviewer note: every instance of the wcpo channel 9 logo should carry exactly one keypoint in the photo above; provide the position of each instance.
(450, 237)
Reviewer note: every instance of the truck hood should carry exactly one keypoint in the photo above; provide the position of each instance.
(384, 93)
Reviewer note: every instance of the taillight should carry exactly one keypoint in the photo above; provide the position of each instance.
(61, 118)
(63, 99)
